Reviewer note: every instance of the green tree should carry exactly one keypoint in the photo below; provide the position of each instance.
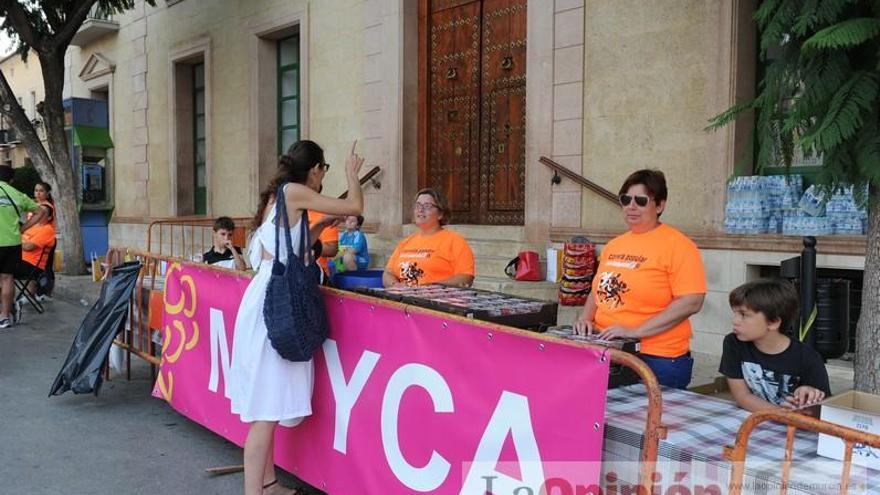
(45, 28)
(821, 94)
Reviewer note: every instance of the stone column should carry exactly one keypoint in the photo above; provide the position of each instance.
(139, 172)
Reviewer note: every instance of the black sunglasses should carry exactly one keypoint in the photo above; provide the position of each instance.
(626, 199)
(325, 167)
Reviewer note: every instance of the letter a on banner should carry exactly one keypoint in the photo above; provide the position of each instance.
(511, 415)
(346, 394)
(218, 346)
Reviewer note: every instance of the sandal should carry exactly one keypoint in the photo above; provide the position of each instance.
(275, 482)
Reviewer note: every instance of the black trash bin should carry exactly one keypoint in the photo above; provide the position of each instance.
(832, 318)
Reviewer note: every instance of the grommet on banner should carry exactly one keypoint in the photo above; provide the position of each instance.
(340, 300)
(406, 311)
(604, 353)
(596, 426)
(540, 347)
(490, 335)
(444, 325)
(372, 308)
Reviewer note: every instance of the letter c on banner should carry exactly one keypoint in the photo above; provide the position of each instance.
(433, 474)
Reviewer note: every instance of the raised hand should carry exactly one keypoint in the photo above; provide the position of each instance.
(353, 162)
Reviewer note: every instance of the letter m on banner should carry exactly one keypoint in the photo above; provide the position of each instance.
(219, 352)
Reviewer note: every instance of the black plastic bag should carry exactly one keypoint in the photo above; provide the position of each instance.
(81, 371)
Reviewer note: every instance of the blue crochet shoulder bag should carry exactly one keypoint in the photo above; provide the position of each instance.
(296, 320)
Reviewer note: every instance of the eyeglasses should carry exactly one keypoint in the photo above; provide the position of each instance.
(325, 167)
(626, 199)
(424, 206)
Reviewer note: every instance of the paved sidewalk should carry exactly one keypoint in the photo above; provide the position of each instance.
(120, 442)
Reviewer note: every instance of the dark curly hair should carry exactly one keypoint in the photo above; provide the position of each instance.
(293, 166)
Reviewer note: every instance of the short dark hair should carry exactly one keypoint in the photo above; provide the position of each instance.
(360, 220)
(224, 223)
(6, 173)
(442, 203)
(776, 298)
(653, 180)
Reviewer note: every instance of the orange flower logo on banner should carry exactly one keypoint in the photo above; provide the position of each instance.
(178, 319)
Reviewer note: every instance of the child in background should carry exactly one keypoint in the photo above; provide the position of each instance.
(765, 368)
(223, 253)
(353, 254)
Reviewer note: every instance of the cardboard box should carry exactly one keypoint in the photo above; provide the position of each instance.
(856, 410)
(554, 265)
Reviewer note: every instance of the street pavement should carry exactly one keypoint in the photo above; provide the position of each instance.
(121, 442)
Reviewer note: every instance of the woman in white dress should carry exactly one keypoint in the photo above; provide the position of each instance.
(266, 389)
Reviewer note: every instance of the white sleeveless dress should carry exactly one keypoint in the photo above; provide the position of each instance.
(262, 385)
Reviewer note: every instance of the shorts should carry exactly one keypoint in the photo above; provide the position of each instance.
(9, 258)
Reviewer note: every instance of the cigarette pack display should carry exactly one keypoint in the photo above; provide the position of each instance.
(519, 312)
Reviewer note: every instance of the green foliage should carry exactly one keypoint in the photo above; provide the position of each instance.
(849, 33)
(25, 178)
(820, 94)
(845, 112)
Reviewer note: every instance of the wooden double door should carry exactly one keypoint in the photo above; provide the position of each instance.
(473, 107)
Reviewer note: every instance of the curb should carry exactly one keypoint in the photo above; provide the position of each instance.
(76, 289)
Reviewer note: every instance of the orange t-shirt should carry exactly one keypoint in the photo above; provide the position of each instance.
(330, 234)
(42, 236)
(426, 259)
(639, 275)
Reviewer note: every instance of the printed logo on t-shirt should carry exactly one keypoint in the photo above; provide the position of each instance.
(417, 253)
(611, 289)
(630, 261)
(410, 273)
(767, 384)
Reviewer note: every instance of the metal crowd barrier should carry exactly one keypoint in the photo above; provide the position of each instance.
(737, 454)
(187, 237)
(144, 321)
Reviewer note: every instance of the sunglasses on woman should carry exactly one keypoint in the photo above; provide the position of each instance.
(626, 199)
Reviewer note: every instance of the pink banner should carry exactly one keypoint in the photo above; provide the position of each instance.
(405, 400)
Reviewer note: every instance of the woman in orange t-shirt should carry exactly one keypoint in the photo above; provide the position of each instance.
(650, 280)
(433, 254)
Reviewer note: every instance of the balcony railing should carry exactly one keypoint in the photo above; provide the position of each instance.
(100, 13)
(98, 24)
(8, 136)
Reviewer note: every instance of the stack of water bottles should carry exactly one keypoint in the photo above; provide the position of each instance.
(811, 219)
(759, 204)
(748, 206)
(777, 204)
(847, 217)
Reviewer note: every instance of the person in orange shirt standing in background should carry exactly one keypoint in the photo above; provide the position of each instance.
(432, 254)
(650, 280)
(328, 239)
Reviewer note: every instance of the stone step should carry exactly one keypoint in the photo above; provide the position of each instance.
(544, 291)
(566, 315)
(481, 247)
(484, 232)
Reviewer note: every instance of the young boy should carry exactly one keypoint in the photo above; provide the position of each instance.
(765, 368)
(353, 253)
(223, 253)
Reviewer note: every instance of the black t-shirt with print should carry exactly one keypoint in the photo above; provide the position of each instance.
(772, 377)
(212, 256)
